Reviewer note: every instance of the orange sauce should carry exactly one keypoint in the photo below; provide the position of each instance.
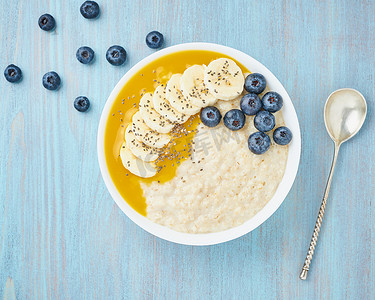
(146, 80)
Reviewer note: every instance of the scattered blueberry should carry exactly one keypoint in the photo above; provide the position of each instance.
(154, 39)
(51, 81)
(282, 135)
(116, 55)
(272, 101)
(234, 119)
(90, 9)
(259, 142)
(85, 54)
(264, 121)
(46, 22)
(13, 73)
(251, 104)
(255, 83)
(82, 103)
(210, 116)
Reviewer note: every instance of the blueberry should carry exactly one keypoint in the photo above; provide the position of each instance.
(116, 55)
(51, 81)
(154, 39)
(255, 83)
(234, 119)
(82, 103)
(210, 116)
(13, 73)
(272, 101)
(90, 9)
(282, 135)
(46, 22)
(251, 104)
(85, 55)
(264, 121)
(259, 142)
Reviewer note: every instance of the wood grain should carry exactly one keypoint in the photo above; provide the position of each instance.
(61, 234)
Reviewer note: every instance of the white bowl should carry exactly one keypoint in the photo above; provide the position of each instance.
(285, 185)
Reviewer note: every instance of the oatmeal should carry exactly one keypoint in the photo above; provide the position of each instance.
(223, 185)
(190, 143)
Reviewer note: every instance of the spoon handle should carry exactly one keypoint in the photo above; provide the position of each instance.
(319, 220)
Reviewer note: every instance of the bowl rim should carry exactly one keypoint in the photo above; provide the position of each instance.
(204, 239)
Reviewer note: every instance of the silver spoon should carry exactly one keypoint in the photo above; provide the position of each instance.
(344, 113)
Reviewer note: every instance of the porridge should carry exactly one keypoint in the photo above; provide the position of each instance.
(224, 184)
(196, 143)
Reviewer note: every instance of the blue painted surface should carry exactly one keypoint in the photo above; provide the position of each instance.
(62, 236)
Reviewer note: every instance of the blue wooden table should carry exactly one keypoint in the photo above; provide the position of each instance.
(61, 234)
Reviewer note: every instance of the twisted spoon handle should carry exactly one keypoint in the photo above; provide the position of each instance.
(319, 220)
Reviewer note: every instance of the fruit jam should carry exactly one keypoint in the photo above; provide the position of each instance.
(146, 80)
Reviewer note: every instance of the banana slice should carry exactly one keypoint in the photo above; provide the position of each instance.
(139, 149)
(163, 107)
(135, 165)
(177, 99)
(151, 117)
(193, 87)
(224, 79)
(146, 135)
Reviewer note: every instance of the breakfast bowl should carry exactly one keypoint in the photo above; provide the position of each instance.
(121, 185)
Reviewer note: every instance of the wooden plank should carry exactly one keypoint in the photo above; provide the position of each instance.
(62, 236)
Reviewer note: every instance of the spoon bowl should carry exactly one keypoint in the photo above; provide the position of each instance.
(344, 113)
